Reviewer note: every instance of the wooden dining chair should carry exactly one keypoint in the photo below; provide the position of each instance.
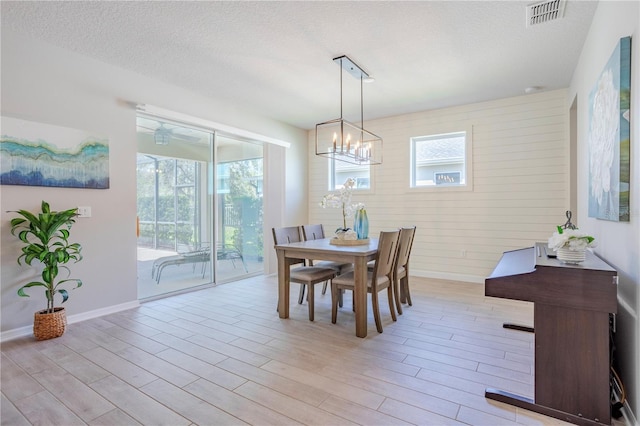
(306, 276)
(401, 268)
(378, 279)
(316, 232)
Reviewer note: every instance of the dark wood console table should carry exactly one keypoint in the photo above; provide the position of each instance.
(571, 326)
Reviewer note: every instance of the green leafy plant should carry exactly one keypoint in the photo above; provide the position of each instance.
(46, 239)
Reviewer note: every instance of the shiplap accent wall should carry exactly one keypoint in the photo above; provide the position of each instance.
(519, 190)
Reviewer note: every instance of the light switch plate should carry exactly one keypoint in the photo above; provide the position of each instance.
(84, 211)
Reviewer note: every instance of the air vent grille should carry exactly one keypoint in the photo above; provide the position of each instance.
(539, 13)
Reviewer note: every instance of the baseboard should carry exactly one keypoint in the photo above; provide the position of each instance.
(436, 275)
(448, 276)
(28, 330)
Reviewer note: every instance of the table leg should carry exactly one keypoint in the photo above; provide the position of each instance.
(360, 296)
(283, 284)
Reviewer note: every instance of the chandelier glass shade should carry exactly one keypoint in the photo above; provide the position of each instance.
(342, 140)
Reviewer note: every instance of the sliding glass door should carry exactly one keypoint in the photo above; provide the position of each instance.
(239, 206)
(199, 207)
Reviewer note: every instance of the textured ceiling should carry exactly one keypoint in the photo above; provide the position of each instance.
(275, 58)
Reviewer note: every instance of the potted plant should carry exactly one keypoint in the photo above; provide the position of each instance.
(570, 244)
(342, 200)
(45, 238)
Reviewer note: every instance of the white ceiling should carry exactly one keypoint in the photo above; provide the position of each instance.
(275, 58)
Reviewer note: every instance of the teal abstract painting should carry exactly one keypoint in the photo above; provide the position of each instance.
(37, 154)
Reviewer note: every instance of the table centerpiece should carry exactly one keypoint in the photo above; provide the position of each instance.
(342, 199)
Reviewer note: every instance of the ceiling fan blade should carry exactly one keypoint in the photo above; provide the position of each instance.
(169, 133)
(187, 138)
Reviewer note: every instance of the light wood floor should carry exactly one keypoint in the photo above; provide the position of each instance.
(221, 356)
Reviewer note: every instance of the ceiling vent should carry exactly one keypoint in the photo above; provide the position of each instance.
(545, 11)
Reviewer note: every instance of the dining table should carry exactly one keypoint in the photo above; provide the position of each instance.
(322, 249)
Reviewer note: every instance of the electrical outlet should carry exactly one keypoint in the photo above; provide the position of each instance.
(84, 211)
(463, 253)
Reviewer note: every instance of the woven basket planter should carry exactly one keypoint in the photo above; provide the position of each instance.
(49, 326)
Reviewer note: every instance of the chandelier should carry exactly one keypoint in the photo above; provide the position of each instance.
(342, 140)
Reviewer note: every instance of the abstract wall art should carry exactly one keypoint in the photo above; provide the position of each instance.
(37, 154)
(609, 137)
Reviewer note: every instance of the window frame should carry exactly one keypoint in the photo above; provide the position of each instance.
(332, 178)
(468, 159)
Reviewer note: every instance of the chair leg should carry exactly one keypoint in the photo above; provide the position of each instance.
(396, 293)
(310, 298)
(301, 296)
(390, 297)
(376, 310)
(405, 286)
(158, 273)
(334, 303)
(204, 268)
(324, 287)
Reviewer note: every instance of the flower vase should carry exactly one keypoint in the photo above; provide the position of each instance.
(361, 224)
(566, 255)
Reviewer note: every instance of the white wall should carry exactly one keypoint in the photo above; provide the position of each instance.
(619, 241)
(520, 184)
(46, 84)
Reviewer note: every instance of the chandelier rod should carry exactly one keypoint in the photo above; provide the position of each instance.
(341, 88)
(361, 112)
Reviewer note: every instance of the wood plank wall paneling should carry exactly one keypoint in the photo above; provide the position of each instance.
(519, 192)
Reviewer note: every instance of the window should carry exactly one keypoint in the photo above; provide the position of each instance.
(441, 160)
(167, 201)
(340, 171)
